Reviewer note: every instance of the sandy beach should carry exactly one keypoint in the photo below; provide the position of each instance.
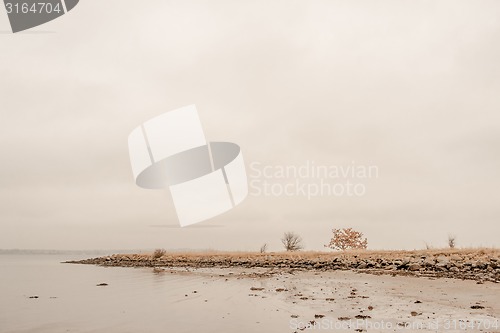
(343, 301)
(346, 300)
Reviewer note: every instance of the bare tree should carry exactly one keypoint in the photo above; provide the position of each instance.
(158, 253)
(347, 238)
(452, 241)
(292, 242)
(263, 248)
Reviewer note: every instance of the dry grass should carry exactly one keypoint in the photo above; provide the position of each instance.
(388, 254)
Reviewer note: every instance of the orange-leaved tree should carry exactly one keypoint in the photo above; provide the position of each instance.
(347, 238)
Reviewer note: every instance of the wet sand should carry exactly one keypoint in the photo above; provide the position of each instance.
(347, 301)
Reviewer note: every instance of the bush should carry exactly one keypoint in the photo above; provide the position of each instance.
(347, 238)
(452, 241)
(292, 241)
(263, 248)
(158, 253)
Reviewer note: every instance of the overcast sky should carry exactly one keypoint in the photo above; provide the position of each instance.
(411, 87)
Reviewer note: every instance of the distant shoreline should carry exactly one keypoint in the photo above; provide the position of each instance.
(467, 264)
(64, 252)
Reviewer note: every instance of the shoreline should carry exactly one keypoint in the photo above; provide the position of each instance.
(481, 265)
(302, 300)
(247, 300)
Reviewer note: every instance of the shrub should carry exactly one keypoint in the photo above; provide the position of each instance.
(292, 241)
(452, 241)
(263, 248)
(347, 238)
(158, 253)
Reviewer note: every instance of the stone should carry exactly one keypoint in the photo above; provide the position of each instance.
(442, 260)
(414, 267)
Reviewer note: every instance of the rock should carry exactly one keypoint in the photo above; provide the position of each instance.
(429, 262)
(102, 284)
(479, 265)
(362, 317)
(414, 267)
(441, 266)
(443, 260)
(471, 265)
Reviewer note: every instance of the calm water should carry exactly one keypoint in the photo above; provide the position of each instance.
(136, 300)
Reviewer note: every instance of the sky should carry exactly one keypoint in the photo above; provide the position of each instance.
(408, 87)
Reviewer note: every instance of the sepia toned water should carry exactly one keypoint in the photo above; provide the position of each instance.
(69, 300)
(135, 300)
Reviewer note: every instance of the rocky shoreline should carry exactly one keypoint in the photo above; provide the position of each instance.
(479, 265)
